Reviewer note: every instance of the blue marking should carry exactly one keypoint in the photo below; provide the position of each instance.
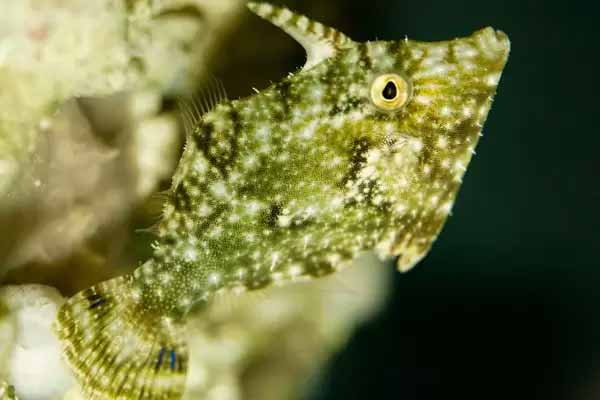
(94, 297)
(97, 303)
(173, 360)
(161, 355)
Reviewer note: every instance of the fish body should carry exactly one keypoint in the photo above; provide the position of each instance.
(362, 149)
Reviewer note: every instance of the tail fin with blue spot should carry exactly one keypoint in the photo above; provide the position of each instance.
(119, 350)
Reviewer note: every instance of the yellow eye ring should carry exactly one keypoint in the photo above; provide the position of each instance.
(390, 92)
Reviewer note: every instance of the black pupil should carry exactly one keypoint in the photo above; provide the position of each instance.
(389, 91)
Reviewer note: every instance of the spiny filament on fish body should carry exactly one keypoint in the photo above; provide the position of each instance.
(362, 149)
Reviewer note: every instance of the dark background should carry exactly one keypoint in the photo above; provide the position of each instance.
(504, 307)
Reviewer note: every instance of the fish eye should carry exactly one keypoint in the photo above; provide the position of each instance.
(390, 92)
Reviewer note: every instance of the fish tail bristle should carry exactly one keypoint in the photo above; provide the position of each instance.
(117, 349)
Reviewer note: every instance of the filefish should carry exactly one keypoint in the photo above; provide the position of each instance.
(362, 149)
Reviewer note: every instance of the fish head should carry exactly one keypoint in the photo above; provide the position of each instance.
(398, 122)
(413, 113)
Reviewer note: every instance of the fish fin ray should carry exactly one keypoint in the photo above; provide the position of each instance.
(113, 345)
(320, 42)
(193, 108)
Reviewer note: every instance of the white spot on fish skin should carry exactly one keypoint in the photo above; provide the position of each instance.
(218, 189)
(316, 93)
(274, 260)
(284, 16)
(250, 161)
(136, 294)
(355, 116)
(442, 142)
(173, 224)
(403, 182)
(253, 207)
(190, 254)
(309, 131)
(165, 278)
(284, 221)
(467, 111)
(310, 211)
(215, 232)
(437, 51)
(148, 268)
(417, 53)
(422, 99)
(416, 145)
(492, 79)
(306, 241)
(303, 22)
(185, 302)
(214, 278)
(337, 202)
(263, 133)
(464, 51)
(189, 223)
(376, 50)
(401, 208)
(204, 210)
(468, 66)
(445, 208)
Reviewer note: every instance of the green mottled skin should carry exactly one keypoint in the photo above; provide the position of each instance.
(298, 180)
(301, 178)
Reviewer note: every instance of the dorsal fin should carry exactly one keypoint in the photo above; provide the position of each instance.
(192, 109)
(319, 41)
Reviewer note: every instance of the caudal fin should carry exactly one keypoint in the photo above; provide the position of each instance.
(119, 350)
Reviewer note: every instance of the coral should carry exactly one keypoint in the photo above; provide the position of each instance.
(32, 353)
(81, 113)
